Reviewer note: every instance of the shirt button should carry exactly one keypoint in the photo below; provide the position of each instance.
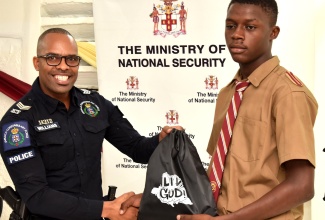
(74, 134)
(78, 154)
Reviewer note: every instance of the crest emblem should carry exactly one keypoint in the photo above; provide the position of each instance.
(132, 83)
(89, 108)
(172, 18)
(16, 135)
(211, 82)
(172, 117)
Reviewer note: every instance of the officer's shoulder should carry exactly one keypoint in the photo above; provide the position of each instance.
(22, 106)
(86, 91)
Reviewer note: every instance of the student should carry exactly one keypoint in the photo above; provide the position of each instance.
(51, 139)
(269, 169)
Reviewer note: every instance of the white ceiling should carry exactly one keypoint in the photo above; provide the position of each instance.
(76, 16)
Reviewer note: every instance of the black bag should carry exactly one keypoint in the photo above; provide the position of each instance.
(176, 182)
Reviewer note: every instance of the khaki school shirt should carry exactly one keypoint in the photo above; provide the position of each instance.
(274, 125)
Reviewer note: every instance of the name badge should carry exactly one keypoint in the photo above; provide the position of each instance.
(41, 128)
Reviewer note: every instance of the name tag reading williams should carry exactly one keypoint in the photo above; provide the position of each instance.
(41, 128)
(21, 157)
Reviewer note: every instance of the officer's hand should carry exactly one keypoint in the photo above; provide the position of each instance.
(166, 130)
(133, 201)
(111, 209)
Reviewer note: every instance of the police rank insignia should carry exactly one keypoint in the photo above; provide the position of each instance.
(89, 108)
(15, 135)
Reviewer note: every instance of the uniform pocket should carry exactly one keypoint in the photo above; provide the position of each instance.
(95, 127)
(94, 136)
(56, 149)
(248, 139)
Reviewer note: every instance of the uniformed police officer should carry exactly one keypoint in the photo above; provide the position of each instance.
(51, 139)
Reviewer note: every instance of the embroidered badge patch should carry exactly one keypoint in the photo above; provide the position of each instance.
(15, 135)
(21, 157)
(294, 79)
(89, 108)
(171, 191)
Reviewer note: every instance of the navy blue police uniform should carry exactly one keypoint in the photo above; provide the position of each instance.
(53, 155)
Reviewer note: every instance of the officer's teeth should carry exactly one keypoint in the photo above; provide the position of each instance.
(61, 78)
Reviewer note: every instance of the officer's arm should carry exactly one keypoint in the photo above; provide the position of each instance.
(25, 166)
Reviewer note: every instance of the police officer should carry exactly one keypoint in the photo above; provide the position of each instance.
(51, 139)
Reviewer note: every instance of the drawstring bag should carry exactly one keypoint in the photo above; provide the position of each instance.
(176, 182)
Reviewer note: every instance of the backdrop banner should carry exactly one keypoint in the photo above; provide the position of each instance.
(163, 62)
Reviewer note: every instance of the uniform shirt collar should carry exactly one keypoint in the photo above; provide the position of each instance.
(261, 72)
(50, 103)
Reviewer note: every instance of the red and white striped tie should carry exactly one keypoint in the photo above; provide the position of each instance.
(219, 155)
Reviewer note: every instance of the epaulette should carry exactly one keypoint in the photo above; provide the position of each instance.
(294, 79)
(19, 107)
(85, 91)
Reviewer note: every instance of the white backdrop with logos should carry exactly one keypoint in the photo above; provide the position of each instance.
(166, 75)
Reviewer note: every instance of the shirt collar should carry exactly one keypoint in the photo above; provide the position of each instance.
(261, 72)
(49, 102)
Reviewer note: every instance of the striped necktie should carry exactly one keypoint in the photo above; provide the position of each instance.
(219, 155)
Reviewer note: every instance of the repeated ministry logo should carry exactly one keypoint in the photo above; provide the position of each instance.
(132, 83)
(169, 18)
(211, 82)
(172, 117)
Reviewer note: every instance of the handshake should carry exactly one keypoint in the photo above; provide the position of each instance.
(124, 207)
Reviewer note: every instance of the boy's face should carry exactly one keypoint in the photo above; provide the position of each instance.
(249, 34)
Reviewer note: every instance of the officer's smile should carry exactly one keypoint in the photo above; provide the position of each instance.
(61, 78)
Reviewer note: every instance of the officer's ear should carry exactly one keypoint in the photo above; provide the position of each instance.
(36, 63)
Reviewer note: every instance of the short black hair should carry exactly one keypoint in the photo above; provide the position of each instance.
(56, 30)
(269, 6)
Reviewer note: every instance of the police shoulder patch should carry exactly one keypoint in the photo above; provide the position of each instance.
(21, 157)
(15, 135)
(294, 79)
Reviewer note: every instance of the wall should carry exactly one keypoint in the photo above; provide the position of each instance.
(318, 203)
(12, 43)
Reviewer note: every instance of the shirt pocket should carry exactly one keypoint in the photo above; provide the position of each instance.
(94, 136)
(56, 149)
(248, 139)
